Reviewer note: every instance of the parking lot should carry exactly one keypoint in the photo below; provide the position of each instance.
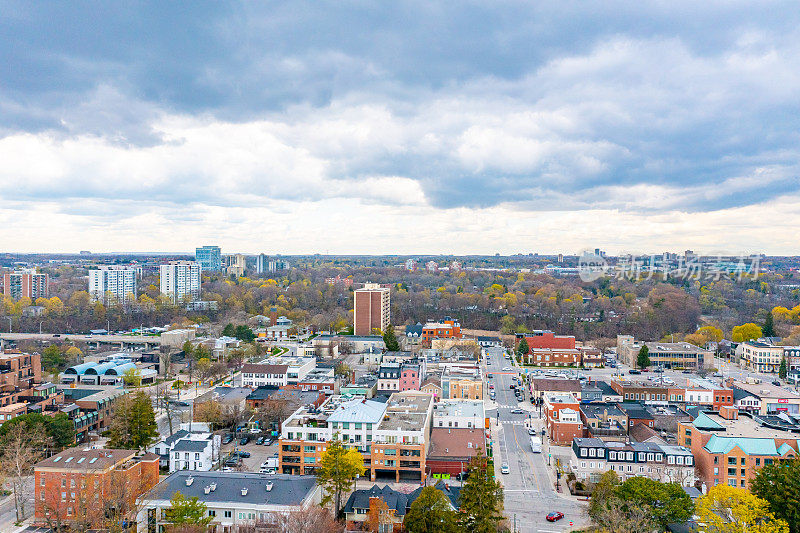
(258, 453)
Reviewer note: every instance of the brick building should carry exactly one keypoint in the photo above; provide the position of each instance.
(82, 485)
(25, 283)
(446, 329)
(371, 309)
(562, 418)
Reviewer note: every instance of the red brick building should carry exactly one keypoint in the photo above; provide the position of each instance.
(371, 308)
(25, 284)
(562, 418)
(446, 329)
(452, 448)
(80, 485)
(548, 339)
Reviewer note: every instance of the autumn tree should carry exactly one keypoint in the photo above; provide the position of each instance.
(481, 497)
(603, 492)
(727, 509)
(667, 502)
(431, 512)
(746, 332)
(338, 468)
(379, 517)
(779, 484)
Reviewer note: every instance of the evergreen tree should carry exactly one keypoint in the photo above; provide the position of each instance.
(244, 333)
(522, 349)
(133, 426)
(769, 325)
(229, 331)
(390, 339)
(782, 371)
(779, 484)
(643, 359)
(431, 512)
(481, 498)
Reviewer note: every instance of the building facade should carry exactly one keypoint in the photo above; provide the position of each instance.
(371, 309)
(25, 283)
(209, 257)
(113, 284)
(180, 280)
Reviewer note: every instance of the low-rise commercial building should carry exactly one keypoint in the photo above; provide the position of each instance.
(562, 418)
(459, 414)
(462, 383)
(772, 399)
(664, 354)
(759, 356)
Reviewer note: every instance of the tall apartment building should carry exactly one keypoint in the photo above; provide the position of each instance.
(25, 283)
(235, 264)
(265, 265)
(180, 280)
(116, 283)
(210, 257)
(371, 308)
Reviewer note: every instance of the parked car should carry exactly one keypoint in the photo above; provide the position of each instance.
(687, 371)
(268, 441)
(504, 469)
(633, 371)
(241, 453)
(776, 383)
(227, 439)
(244, 440)
(531, 431)
(260, 440)
(554, 516)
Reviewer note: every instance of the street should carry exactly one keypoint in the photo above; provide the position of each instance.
(529, 486)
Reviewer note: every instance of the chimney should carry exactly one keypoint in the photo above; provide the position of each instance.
(244, 491)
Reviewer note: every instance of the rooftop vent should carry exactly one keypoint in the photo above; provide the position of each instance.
(269, 486)
(244, 491)
(213, 487)
(207, 489)
(189, 481)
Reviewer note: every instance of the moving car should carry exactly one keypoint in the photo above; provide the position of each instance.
(776, 383)
(507, 368)
(531, 431)
(536, 445)
(554, 516)
(633, 371)
(504, 469)
(517, 411)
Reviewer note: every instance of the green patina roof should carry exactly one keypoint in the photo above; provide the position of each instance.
(703, 421)
(749, 445)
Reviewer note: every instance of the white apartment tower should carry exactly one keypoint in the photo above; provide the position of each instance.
(113, 284)
(181, 280)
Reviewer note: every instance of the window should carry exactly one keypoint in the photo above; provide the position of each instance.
(584, 453)
(228, 514)
(212, 512)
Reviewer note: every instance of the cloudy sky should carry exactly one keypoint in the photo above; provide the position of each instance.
(400, 127)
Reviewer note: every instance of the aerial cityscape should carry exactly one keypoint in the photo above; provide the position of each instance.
(399, 268)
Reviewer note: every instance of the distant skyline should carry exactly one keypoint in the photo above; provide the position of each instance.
(358, 128)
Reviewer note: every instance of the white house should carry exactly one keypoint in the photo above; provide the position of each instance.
(459, 414)
(257, 375)
(187, 450)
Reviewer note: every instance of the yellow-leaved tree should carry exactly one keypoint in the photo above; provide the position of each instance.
(745, 332)
(727, 509)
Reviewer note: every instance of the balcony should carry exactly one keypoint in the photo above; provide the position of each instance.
(409, 453)
(290, 459)
(292, 448)
(409, 464)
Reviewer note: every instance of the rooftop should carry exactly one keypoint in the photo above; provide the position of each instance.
(359, 410)
(447, 442)
(744, 426)
(767, 390)
(237, 487)
(467, 408)
(406, 411)
(83, 459)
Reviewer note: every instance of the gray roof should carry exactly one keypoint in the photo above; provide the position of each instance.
(359, 411)
(186, 445)
(395, 500)
(175, 437)
(286, 490)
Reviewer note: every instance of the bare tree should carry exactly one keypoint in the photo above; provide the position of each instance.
(22, 447)
(315, 519)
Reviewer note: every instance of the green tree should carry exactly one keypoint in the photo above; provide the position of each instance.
(390, 339)
(643, 359)
(244, 333)
(187, 512)
(522, 349)
(188, 349)
(53, 358)
(728, 509)
(481, 498)
(338, 468)
(132, 377)
(779, 485)
(602, 493)
(768, 330)
(668, 502)
(134, 423)
(59, 428)
(229, 331)
(431, 512)
(782, 371)
(746, 332)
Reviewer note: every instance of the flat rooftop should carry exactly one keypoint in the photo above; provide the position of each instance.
(745, 426)
(468, 408)
(767, 390)
(406, 411)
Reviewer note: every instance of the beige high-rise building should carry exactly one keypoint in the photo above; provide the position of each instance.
(371, 309)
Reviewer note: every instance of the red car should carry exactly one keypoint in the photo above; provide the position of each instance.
(554, 516)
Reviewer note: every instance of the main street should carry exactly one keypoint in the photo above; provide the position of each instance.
(529, 487)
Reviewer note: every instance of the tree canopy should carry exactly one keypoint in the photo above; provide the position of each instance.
(390, 339)
(338, 468)
(185, 511)
(134, 423)
(746, 332)
(727, 509)
(431, 512)
(667, 502)
(779, 485)
(643, 358)
(481, 497)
